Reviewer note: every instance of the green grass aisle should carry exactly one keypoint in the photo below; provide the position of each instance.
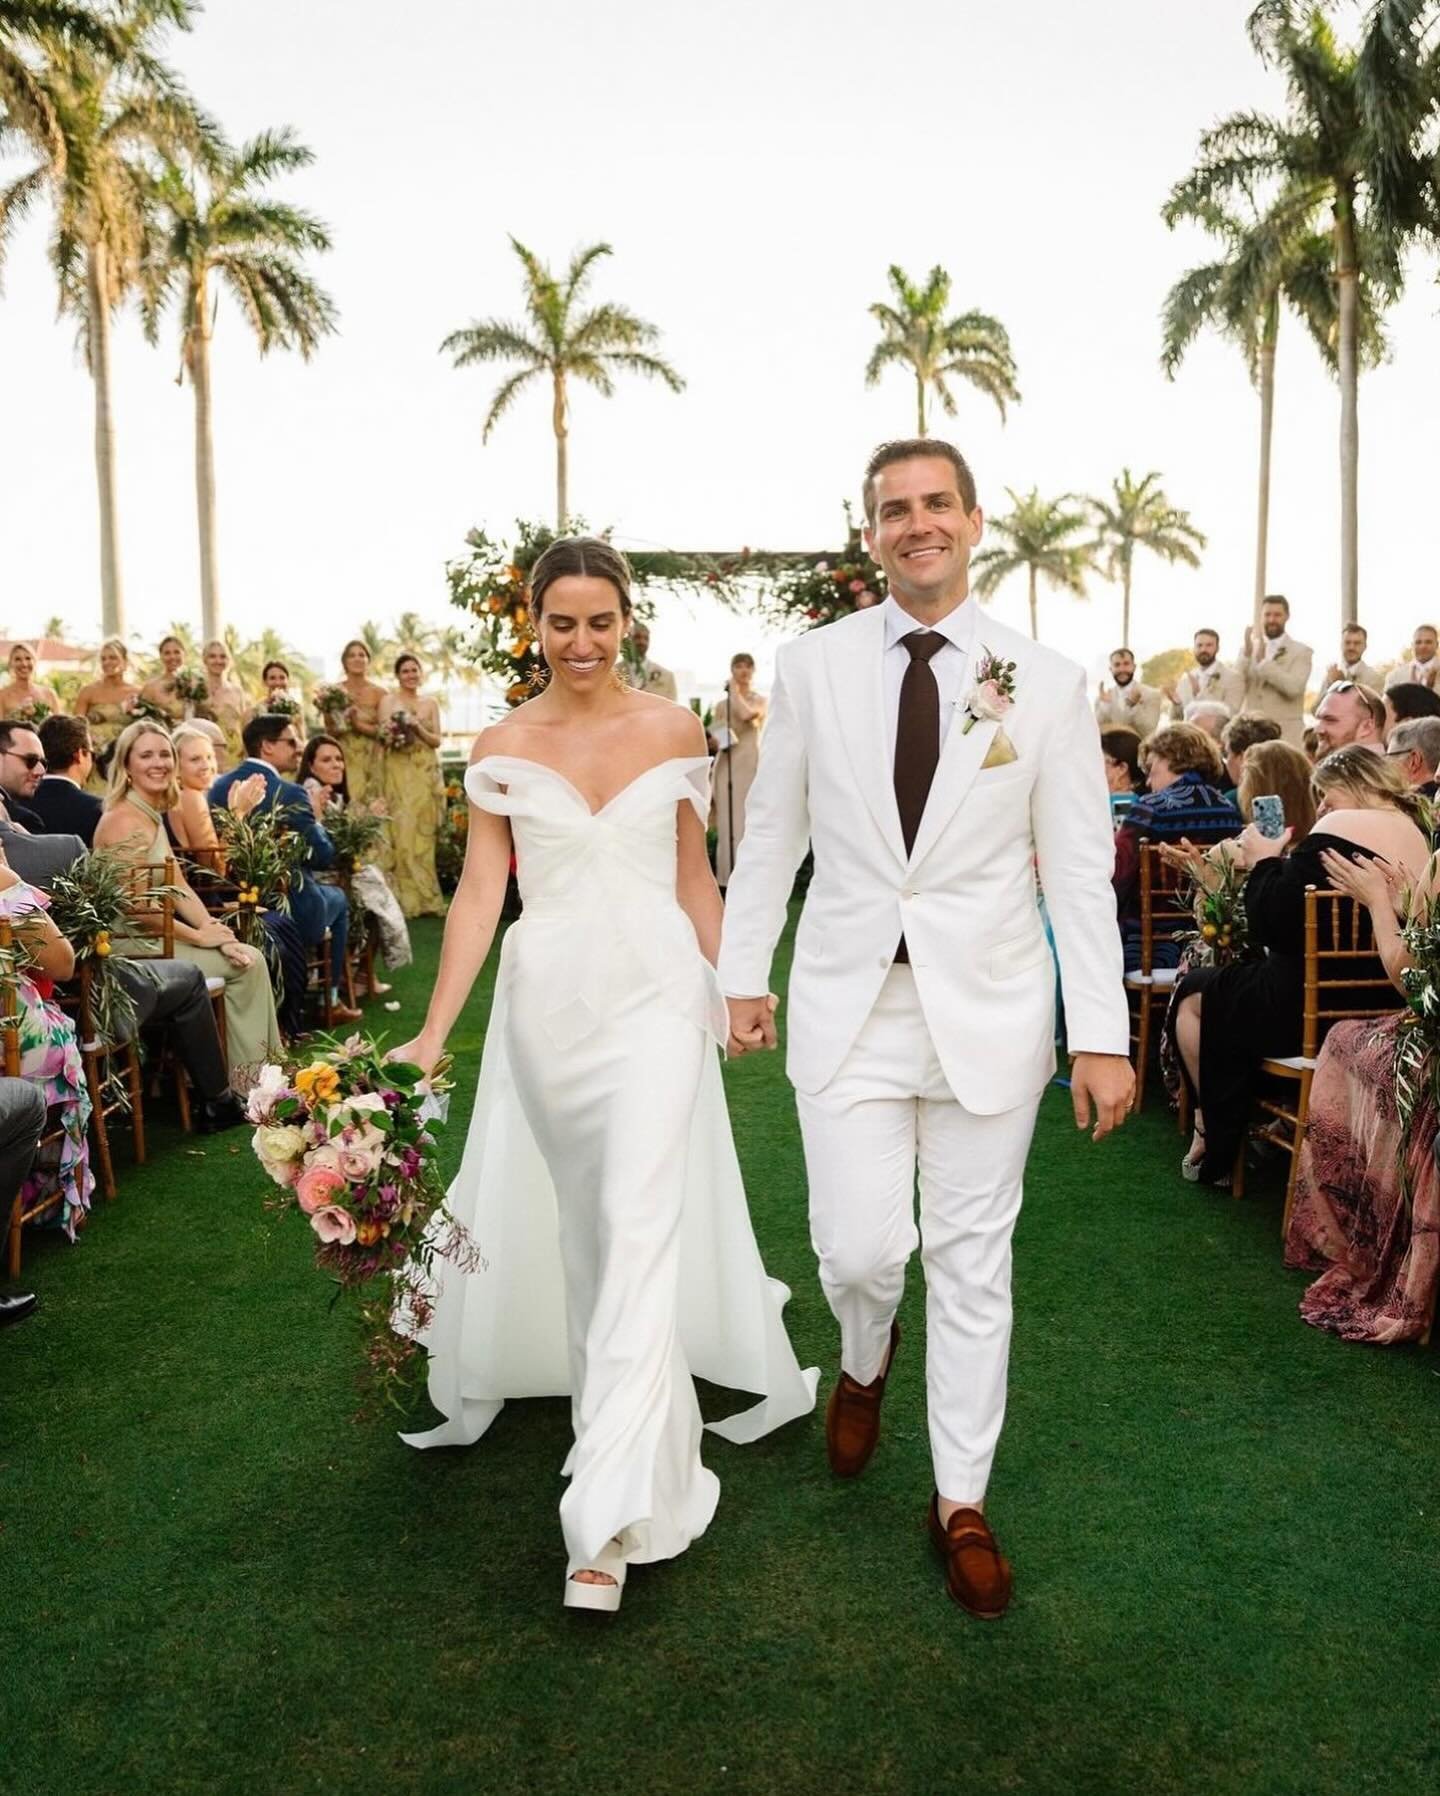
(1224, 1527)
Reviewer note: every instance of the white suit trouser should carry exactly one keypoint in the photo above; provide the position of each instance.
(888, 1110)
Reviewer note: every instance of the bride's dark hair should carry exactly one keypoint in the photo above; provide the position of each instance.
(583, 556)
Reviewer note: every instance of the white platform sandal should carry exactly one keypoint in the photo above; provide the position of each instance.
(604, 1597)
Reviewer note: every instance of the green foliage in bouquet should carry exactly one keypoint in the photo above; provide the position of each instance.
(282, 705)
(191, 685)
(33, 714)
(148, 708)
(331, 702)
(830, 588)
(262, 857)
(90, 906)
(356, 831)
(1221, 934)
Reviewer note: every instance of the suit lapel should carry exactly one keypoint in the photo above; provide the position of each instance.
(960, 760)
(856, 668)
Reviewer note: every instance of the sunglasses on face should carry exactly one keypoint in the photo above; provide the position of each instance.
(30, 762)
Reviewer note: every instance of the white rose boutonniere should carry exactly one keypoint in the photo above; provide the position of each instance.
(994, 691)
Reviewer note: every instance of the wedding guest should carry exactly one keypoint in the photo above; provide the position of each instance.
(1126, 703)
(413, 789)
(49, 1052)
(1310, 742)
(190, 827)
(322, 774)
(1423, 667)
(1123, 773)
(22, 767)
(1274, 769)
(225, 703)
(1407, 701)
(1276, 669)
(1367, 1190)
(272, 749)
(1210, 679)
(106, 704)
(359, 726)
(646, 674)
(738, 720)
(24, 697)
(1350, 716)
(61, 800)
(1184, 773)
(160, 690)
(1414, 747)
(1226, 1020)
(1241, 733)
(22, 1122)
(1209, 715)
(277, 698)
(1352, 664)
(143, 787)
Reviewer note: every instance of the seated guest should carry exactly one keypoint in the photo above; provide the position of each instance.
(322, 774)
(1185, 800)
(22, 767)
(50, 1054)
(272, 749)
(1414, 747)
(1225, 1020)
(1408, 701)
(1349, 716)
(1249, 727)
(1123, 773)
(22, 1123)
(190, 827)
(1367, 1195)
(142, 789)
(1210, 715)
(1276, 769)
(60, 800)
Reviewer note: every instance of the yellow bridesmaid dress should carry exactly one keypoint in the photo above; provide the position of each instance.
(414, 795)
(106, 723)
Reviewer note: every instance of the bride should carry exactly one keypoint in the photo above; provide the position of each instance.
(599, 1179)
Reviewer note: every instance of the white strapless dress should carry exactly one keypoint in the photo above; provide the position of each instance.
(599, 1179)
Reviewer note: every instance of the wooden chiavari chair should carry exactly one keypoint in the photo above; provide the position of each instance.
(1164, 913)
(10, 1058)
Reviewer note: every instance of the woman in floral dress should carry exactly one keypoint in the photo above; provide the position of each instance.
(49, 1054)
(413, 789)
(160, 691)
(226, 704)
(23, 701)
(358, 726)
(106, 705)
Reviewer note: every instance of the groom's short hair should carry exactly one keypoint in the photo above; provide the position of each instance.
(918, 449)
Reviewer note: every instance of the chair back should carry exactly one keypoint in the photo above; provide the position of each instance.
(1344, 974)
(151, 908)
(1165, 909)
(9, 1005)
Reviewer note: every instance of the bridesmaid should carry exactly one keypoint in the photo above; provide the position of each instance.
(359, 727)
(225, 703)
(19, 699)
(413, 789)
(161, 690)
(278, 698)
(106, 704)
(742, 714)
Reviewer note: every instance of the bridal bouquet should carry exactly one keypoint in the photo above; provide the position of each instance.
(332, 702)
(347, 1137)
(397, 731)
(190, 686)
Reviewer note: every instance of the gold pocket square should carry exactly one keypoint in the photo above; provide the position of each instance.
(1002, 752)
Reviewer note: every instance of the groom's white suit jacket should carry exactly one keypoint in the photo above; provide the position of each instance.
(964, 898)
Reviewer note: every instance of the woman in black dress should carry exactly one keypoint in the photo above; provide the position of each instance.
(1225, 1020)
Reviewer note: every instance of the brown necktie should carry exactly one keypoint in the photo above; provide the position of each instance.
(917, 733)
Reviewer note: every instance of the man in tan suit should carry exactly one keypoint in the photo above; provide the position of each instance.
(1424, 667)
(647, 675)
(1210, 679)
(1352, 665)
(1125, 704)
(1276, 669)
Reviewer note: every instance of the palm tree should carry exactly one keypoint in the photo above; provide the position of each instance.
(216, 227)
(1137, 514)
(560, 340)
(1356, 139)
(105, 117)
(917, 335)
(27, 25)
(1268, 261)
(1036, 535)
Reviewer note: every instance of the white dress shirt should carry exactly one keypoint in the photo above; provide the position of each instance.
(949, 665)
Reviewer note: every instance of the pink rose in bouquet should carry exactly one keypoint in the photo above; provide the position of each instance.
(332, 1224)
(317, 1187)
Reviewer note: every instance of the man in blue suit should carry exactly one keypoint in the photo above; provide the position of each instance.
(272, 750)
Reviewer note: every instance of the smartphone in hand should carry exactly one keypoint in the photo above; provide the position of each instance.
(1267, 813)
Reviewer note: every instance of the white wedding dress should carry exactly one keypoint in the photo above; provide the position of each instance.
(599, 1180)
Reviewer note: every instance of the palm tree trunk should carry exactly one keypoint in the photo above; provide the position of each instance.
(1034, 608)
(1348, 283)
(197, 355)
(1267, 423)
(112, 596)
(920, 402)
(562, 457)
(1125, 608)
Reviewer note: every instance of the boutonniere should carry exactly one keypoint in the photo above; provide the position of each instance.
(994, 691)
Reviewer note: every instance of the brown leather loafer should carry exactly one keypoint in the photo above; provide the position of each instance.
(852, 1417)
(977, 1573)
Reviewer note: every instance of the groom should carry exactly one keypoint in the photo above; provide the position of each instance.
(933, 759)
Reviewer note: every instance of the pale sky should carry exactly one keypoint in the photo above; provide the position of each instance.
(756, 167)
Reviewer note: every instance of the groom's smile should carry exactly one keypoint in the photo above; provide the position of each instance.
(921, 533)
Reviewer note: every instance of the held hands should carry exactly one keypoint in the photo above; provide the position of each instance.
(1102, 1088)
(752, 1024)
(1376, 883)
